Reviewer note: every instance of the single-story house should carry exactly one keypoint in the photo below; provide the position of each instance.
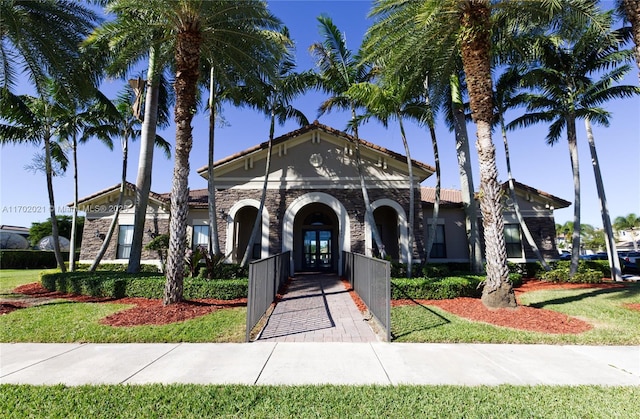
(314, 207)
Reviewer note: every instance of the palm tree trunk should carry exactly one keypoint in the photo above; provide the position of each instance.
(436, 204)
(476, 45)
(187, 55)
(116, 214)
(412, 198)
(258, 222)
(369, 218)
(516, 206)
(214, 240)
(575, 169)
(145, 162)
(463, 153)
(632, 13)
(74, 216)
(52, 204)
(614, 262)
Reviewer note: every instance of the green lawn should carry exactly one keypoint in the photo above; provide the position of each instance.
(11, 278)
(64, 321)
(235, 401)
(603, 308)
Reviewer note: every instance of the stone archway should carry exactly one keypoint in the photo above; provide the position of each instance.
(343, 228)
(403, 227)
(232, 227)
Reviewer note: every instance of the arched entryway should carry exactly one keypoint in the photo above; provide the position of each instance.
(324, 221)
(393, 226)
(316, 227)
(240, 221)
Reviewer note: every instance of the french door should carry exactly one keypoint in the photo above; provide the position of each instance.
(317, 250)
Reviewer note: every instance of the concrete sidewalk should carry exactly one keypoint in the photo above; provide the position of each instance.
(284, 363)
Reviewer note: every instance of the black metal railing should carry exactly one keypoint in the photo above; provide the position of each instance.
(371, 280)
(266, 276)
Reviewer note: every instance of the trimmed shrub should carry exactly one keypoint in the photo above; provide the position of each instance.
(146, 285)
(435, 289)
(117, 267)
(29, 259)
(527, 270)
(584, 275)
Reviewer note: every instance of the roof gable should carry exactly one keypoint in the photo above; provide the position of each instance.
(315, 151)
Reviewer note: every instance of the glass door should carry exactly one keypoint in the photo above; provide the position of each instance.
(317, 250)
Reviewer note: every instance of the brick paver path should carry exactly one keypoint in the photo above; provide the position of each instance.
(317, 308)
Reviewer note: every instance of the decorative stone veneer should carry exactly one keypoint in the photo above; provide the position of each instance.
(277, 202)
(91, 243)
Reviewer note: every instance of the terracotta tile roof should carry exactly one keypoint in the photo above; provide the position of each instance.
(558, 202)
(327, 129)
(128, 185)
(198, 198)
(448, 197)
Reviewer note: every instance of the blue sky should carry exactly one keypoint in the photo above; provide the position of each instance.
(23, 194)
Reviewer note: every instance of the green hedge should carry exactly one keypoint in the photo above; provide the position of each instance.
(147, 285)
(29, 259)
(117, 267)
(435, 289)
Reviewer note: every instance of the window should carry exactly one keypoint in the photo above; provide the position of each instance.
(125, 238)
(200, 236)
(439, 248)
(513, 240)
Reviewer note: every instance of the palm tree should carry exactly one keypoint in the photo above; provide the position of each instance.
(273, 96)
(121, 118)
(629, 223)
(78, 116)
(33, 45)
(391, 98)
(122, 42)
(475, 28)
(34, 120)
(630, 11)
(506, 87)
(339, 70)
(43, 51)
(191, 27)
(565, 92)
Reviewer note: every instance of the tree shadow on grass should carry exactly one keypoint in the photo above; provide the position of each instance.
(617, 293)
(431, 321)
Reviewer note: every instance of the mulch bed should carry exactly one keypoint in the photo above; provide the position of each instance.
(153, 312)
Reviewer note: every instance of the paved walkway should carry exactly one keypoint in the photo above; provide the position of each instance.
(284, 363)
(317, 308)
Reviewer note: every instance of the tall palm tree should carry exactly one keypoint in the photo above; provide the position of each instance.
(391, 98)
(474, 27)
(121, 118)
(191, 27)
(506, 86)
(34, 120)
(339, 70)
(121, 43)
(565, 92)
(273, 96)
(79, 115)
(30, 44)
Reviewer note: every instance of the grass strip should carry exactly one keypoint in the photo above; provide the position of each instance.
(327, 401)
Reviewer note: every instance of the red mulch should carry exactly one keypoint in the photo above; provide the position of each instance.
(522, 317)
(632, 306)
(145, 311)
(152, 312)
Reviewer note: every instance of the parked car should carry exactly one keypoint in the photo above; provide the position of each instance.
(632, 257)
(595, 256)
(628, 267)
(565, 256)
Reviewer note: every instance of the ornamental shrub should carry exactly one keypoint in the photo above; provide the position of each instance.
(435, 289)
(111, 284)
